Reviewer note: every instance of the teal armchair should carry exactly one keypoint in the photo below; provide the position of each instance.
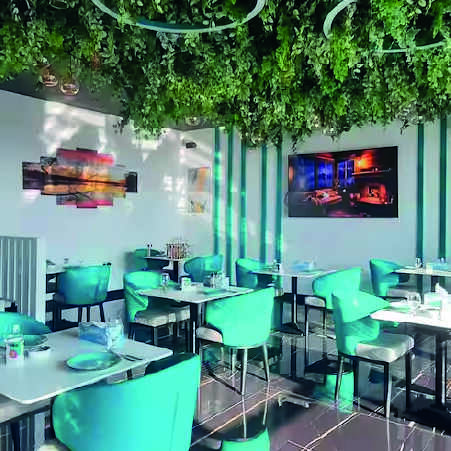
(153, 313)
(151, 264)
(386, 282)
(82, 287)
(198, 268)
(28, 325)
(323, 287)
(240, 322)
(359, 338)
(153, 413)
(245, 277)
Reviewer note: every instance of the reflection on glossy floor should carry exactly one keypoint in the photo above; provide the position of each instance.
(274, 417)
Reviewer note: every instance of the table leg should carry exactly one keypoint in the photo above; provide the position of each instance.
(175, 270)
(294, 305)
(440, 370)
(195, 311)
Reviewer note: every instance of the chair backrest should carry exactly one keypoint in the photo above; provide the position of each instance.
(383, 276)
(84, 285)
(153, 265)
(134, 282)
(324, 286)
(351, 312)
(198, 268)
(29, 326)
(243, 320)
(154, 412)
(246, 278)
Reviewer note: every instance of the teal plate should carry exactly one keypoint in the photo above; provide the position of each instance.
(30, 341)
(93, 361)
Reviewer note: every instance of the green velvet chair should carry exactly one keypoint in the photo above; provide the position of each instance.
(153, 413)
(321, 300)
(259, 442)
(198, 268)
(143, 263)
(155, 313)
(245, 277)
(82, 287)
(29, 326)
(360, 339)
(240, 322)
(389, 284)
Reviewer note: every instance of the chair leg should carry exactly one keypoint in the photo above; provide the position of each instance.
(233, 360)
(339, 374)
(186, 327)
(155, 336)
(387, 389)
(102, 313)
(243, 372)
(88, 313)
(201, 354)
(306, 334)
(80, 314)
(355, 370)
(131, 331)
(266, 361)
(174, 335)
(408, 359)
(54, 316)
(15, 434)
(324, 334)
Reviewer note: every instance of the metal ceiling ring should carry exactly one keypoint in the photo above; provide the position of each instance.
(165, 27)
(344, 4)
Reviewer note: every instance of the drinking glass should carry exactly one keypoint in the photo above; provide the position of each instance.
(165, 280)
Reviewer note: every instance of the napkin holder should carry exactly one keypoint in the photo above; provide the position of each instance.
(107, 334)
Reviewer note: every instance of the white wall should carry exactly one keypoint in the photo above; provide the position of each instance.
(345, 242)
(30, 128)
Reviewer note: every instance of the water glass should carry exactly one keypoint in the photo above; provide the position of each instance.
(165, 280)
(418, 263)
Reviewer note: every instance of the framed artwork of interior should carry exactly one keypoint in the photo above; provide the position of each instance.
(344, 184)
(199, 190)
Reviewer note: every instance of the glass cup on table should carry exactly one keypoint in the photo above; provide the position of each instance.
(165, 280)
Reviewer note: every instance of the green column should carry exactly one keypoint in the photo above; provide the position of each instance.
(443, 188)
(229, 209)
(279, 199)
(420, 190)
(217, 189)
(264, 202)
(243, 202)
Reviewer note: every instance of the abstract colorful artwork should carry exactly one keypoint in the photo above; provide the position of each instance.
(82, 178)
(199, 181)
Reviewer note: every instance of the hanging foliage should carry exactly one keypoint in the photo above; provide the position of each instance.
(278, 72)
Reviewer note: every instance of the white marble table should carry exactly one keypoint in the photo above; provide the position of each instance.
(196, 298)
(295, 274)
(434, 274)
(428, 320)
(44, 377)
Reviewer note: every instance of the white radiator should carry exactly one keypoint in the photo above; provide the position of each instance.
(22, 274)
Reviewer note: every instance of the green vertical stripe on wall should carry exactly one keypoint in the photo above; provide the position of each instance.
(443, 188)
(279, 198)
(217, 188)
(420, 190)
(243, 202)
(229, 209)
(264, 201)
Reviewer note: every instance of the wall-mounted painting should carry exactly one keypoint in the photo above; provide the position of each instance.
(82, 178)
(199, 188)
(345, 184)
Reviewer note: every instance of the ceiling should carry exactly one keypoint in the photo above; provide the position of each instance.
(101, 101)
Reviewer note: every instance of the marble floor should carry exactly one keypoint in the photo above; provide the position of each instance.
(296, 410)
(276, 416)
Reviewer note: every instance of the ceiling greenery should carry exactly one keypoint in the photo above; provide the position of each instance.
(277, 72)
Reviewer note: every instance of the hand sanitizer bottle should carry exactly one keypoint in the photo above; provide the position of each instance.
(15, 346)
